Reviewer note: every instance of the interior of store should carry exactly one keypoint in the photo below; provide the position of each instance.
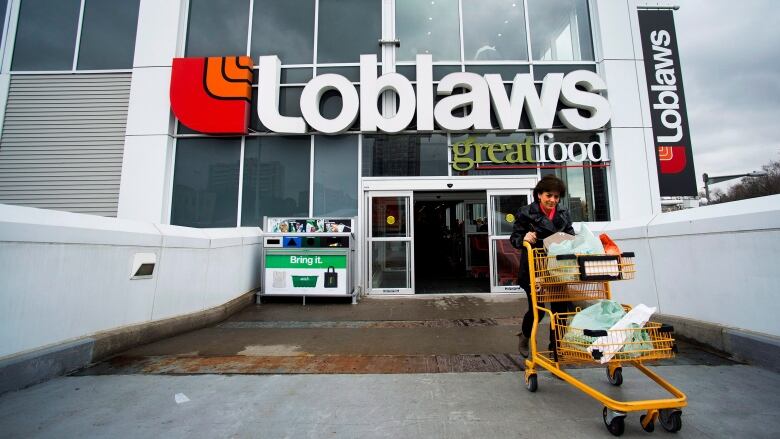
(451, 243)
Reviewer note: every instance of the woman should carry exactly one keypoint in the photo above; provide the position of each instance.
(534, 223)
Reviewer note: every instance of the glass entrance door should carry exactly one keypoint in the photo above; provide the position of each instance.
(390, 245)
(504, 259)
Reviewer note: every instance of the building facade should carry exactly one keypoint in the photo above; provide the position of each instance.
(432, 176)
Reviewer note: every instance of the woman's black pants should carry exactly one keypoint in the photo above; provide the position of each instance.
(524, 280)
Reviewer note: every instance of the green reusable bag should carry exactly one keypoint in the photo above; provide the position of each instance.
(601, 315)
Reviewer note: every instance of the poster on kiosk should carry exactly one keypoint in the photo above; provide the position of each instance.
(308, 256)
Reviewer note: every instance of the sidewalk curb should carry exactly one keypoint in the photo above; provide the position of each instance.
(750, 347)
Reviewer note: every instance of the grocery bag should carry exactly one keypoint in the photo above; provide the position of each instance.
(584, 243)
(556, 238)
(610, 247)
(600, 316)
(621, 332)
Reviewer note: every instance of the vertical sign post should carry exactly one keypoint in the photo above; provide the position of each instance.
(674, 157)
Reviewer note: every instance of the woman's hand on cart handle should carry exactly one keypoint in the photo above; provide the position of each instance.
(530, 237)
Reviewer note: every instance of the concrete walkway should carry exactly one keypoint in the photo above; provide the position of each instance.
(725, 402)
(343, 371)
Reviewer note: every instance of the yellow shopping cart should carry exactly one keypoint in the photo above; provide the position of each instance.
(569, 278)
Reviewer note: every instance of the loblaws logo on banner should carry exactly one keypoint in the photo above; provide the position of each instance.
(212, 95)
(676, 174)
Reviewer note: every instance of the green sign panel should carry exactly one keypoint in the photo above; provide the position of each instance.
(303, 261)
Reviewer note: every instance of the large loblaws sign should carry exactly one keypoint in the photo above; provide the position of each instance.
(584, 108)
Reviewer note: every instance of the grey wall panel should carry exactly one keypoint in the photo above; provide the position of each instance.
(62, 143)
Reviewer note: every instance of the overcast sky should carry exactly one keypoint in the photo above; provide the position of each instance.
(730, 58)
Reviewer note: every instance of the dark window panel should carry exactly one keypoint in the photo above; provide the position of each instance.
(507, 72)
(335, 176)
(205, 182)
(425, 27)
(108, 34)
(217, 27)
(494, 30)
(560, 30)
(348, 29)
(46, 35)
(351, 73)
(540, 71)
(276, 178)
(404, 155)
(296, 76)
(284, 28)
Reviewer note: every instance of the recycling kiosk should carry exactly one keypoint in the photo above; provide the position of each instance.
(311, 263)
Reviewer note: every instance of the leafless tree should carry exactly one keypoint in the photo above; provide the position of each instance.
(751, 187)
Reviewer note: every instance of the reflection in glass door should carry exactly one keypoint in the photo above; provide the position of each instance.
(390, 243)
(476, 231)
(504, 259)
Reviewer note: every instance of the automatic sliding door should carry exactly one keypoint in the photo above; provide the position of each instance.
(504, 259)
(390, 243)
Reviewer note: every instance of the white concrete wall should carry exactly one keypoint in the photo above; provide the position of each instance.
(65, 275)
(717, 264)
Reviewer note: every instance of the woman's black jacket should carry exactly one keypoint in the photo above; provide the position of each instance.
(530, 218)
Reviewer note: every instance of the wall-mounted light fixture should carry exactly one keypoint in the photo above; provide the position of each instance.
(143, 266)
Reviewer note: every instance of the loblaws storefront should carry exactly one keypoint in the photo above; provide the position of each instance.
(428, 122)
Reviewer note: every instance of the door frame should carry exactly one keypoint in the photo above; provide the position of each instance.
(369, 240)
(493, 237)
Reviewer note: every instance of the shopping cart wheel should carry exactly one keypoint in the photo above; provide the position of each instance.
(616, 378)
(531, 383)
(615, 421)
(670, 420)
(650, 426)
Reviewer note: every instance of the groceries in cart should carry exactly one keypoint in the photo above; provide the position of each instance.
(605, 328)
(583, 257)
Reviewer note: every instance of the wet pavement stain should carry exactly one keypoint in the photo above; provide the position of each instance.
(308, 364)
(441, 335)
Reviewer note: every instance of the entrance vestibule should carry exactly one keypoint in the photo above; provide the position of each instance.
(442, 242)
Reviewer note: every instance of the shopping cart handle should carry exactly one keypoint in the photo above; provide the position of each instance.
(666, 328)
(596, 354)
(594, 332)
(627, 254)
(565, 257)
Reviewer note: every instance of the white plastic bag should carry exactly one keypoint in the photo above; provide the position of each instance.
(616, 336)
(584, 243)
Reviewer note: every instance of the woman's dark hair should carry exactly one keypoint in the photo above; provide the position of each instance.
(549, 183)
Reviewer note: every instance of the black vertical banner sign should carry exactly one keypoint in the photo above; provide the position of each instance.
(674, 157)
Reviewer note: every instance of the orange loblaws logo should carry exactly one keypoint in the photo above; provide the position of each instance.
(672, 159)
(212, 95)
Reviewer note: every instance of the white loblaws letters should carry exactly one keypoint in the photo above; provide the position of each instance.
(425, 92)
(477, 95)
(268, 99)
(541, 110)
(372, 87)
(666, 84)
(588, 100)
(310, 103)
(578, 90)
